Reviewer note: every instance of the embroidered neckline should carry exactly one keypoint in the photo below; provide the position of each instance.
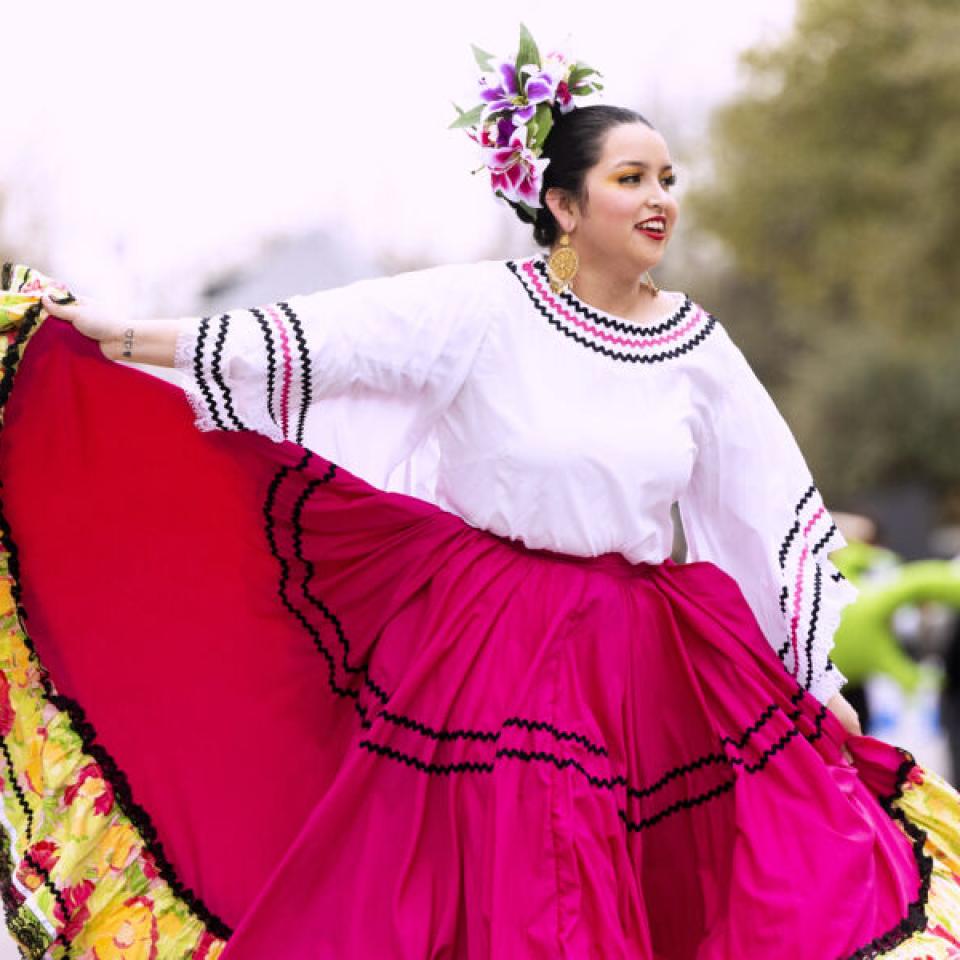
(675, 335)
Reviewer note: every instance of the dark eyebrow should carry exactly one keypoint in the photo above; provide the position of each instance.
(640, 163)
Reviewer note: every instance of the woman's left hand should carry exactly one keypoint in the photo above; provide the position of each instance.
(840, 707)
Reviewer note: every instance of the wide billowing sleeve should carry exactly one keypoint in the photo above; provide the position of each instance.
(753, 509)
(410, 338)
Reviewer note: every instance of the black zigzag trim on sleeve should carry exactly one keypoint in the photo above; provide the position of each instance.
(787, 545)
(123, 794)
(814, 619)
(271, 352)
(808, 493)
(216, 373)
(305, 369)
(825, 539)
(787, 541)
(201, 379)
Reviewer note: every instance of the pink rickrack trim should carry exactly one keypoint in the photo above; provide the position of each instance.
(647, 342)
(798, 591)
(287, 370)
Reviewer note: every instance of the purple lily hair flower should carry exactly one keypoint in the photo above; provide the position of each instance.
(510, 97)
(543, 83)
(515, 171)
(498, 89)
(501, 91)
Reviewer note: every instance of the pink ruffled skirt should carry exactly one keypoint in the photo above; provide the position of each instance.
(253, 707)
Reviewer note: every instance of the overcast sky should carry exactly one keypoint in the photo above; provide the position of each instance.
(170, 137)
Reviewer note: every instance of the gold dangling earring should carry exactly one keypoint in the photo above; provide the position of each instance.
(562, 265)
(648, 284)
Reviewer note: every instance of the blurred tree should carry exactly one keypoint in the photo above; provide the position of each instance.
(837, 176)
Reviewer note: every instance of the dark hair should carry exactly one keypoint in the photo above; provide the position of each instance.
(573, 146)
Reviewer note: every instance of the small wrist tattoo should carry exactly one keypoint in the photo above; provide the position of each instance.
(128, 342)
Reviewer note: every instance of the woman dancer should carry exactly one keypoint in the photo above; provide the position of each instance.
(389, 659)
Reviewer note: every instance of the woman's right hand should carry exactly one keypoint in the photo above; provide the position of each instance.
(92, 321)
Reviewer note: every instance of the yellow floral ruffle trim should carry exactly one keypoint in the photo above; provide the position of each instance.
(77, 877)
(934, 806)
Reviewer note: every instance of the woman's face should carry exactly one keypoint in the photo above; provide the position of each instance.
(628, 215)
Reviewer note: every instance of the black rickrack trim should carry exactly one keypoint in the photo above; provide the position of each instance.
(57, 895)
(21, 797)
(837, 577)
(200, 378)
(265, 329)
(605, 320)
(305, 376)
(606, 351)
(562, 763)
(492, 736)
(699, 799)
(216, 359)
(825, 539)
(316, 602)
(611, 783)
(283, 585)
(795, 528)
(607, 783)
(635, 826)
(784, 650)
(916, 918)
(557, 733)
(808, 494)
(480, 735)
(441, 736)
(441, 769)
(709, 759)
(814, 619)
(784, 596)
(123, 795)
(787, 541)
(378, 691)
(31, 937)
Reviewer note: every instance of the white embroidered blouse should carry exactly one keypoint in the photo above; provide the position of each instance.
(539, 418)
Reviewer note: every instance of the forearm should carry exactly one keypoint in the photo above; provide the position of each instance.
(146, 341)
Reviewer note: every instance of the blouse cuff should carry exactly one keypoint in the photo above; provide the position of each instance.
(813, 596)
(208, 354)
